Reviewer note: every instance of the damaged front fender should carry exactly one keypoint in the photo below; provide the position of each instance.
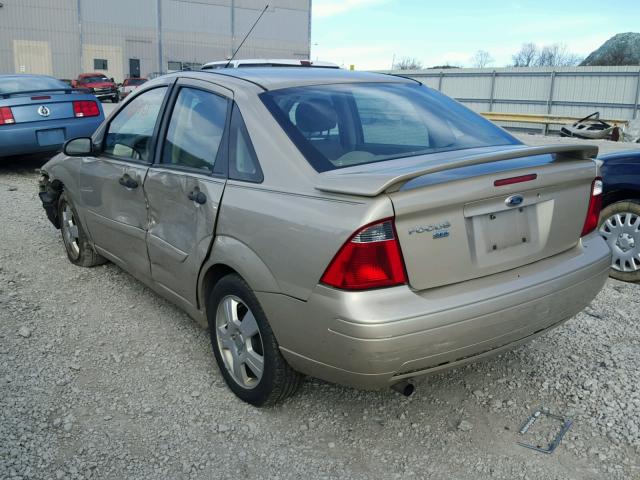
(49, 193)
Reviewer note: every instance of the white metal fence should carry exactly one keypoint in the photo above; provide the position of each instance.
(573, 91)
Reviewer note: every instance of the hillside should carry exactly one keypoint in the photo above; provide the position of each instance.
(621, 49)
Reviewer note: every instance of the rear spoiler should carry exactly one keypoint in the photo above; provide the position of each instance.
(357, 182)
(29, 92)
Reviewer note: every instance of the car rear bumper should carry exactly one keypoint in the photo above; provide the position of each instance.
(377, 338)
(22, 138)
(100, 94)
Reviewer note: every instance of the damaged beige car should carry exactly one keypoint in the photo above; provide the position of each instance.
(356, 227)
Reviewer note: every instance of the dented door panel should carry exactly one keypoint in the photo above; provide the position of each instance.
(180, 229)
(116, 214)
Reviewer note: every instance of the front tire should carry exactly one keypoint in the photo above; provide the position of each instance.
(79, 250)
(245, 347)
(620, 227)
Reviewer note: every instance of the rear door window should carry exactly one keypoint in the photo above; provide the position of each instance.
(196, 129)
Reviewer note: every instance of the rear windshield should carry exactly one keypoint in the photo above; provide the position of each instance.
(337, 126)
(29, 84)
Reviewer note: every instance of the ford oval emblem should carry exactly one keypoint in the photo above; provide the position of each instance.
(514, 200)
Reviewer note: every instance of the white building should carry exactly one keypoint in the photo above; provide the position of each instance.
(123, 38)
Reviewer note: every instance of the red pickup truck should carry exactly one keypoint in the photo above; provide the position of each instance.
(98, 84)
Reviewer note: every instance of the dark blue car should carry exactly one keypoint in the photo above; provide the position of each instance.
(39, 113)
(620, 216)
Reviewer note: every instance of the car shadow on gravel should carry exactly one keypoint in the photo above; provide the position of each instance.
(24, 163)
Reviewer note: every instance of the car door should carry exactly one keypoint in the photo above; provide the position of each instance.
(185, 186)
(111, 182)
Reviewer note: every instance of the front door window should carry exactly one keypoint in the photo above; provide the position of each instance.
(131, 131)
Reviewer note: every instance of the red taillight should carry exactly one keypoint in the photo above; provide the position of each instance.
(371, 258)
(595, 205)
(85, 108)
(6, 116)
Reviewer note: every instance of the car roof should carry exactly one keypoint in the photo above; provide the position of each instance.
(95, 74)
(272, 62)
(274, 78)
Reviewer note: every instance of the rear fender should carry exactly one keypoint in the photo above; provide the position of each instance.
(228, 253)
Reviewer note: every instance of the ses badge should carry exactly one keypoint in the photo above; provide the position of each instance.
(437, 230)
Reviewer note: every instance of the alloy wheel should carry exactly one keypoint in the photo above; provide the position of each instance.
(70, 233)
(239, 342)
(622, 233)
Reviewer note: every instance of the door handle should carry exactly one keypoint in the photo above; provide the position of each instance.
(128, 182)
(197, 196)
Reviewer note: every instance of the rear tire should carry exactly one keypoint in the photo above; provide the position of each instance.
(620, 227)
(79, 250)
(245, 347)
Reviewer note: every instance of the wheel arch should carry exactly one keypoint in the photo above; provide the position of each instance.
(49, 193)
(620, 195)
(229, 255)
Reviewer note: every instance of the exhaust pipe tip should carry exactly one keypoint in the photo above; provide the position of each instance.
(405, 388)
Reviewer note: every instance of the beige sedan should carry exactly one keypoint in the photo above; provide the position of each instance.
(360, 228)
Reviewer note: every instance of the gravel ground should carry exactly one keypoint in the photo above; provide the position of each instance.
(102, 378)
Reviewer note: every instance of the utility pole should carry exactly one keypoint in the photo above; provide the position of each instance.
(309, 29)
(233, 28)
(159, 33)
(80, 35)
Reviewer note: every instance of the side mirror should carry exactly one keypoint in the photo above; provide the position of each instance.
(78, 147)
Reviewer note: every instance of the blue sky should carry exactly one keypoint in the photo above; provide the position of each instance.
(368, 33)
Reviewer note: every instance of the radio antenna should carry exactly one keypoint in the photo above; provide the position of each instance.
(247, 35)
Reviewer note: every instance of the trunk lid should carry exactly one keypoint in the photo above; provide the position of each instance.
(455, 224)
(42, 107)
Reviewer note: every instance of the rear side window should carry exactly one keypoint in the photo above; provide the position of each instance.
(195, 131)
(243, 161)
(337, 126)
(130, 132)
